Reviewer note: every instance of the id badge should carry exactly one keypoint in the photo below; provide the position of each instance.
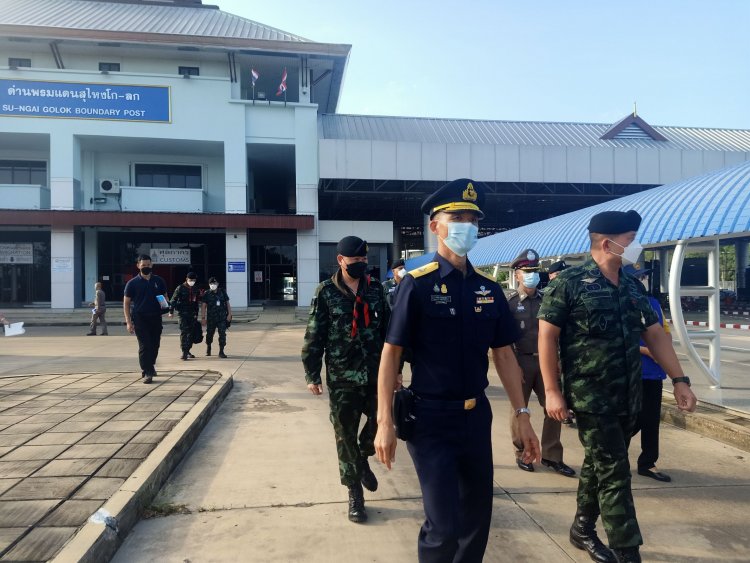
(218, 303)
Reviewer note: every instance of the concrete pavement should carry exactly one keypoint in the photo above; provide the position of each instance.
(261, 482)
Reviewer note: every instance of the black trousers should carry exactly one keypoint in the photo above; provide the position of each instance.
(452, 454)
(648, 423)
(148, 331)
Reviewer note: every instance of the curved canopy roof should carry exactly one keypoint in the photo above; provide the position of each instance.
(705, 206)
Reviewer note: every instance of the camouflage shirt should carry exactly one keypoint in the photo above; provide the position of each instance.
(216, 305)
(600, 329)
(350, 360)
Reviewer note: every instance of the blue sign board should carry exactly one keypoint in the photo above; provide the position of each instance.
(235, 266)
(79, 100)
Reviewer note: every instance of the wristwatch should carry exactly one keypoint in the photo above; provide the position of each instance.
(675, 380)
(523, 410)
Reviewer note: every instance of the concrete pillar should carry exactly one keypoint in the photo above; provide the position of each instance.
(740, 251)
(63, 263)
(306, 171)
(90, 263)
(236, 267)
(664, 264)
(65, 171)
(430, 240)
(235, 173)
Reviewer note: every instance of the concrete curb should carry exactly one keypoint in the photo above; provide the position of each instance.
(725, 425)
(98, 542)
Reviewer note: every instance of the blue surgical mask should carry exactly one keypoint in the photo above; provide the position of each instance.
(461, 237)
(531, 279)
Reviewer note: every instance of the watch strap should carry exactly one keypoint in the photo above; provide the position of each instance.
(683, 379)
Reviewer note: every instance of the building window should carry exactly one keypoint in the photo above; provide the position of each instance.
(109, 67)
(169, 176)
(23, 172)
(188, 70)
(18, 63)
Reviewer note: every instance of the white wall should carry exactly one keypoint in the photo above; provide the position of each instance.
(371, 231)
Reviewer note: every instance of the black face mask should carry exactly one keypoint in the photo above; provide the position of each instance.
(146, 271)
(356, 269)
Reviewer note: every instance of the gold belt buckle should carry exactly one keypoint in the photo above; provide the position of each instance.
(470, 404)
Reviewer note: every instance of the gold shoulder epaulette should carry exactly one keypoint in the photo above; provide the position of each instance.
(422, 270)
(485, 274)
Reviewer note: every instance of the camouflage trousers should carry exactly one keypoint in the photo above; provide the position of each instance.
(604, 481)
(348, 405)
(186, 332)
(211, 327)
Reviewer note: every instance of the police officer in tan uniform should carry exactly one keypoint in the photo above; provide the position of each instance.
(524, 304)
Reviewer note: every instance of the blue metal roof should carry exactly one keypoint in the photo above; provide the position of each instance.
(713, 204)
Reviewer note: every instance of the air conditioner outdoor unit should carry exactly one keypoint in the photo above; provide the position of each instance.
(109, 186)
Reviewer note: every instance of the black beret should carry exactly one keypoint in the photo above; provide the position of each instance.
(398, 264)
(615, 222)
(527, 260)
(636, 270)
(558, 266)
(192, 276)
(352, 246)
(458, 195)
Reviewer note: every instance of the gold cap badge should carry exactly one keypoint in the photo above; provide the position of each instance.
(470, 193)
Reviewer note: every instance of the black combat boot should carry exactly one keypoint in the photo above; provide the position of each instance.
(208, 349)
(628, 555)
(368, 479)
(357, 504)
(184, 356)
(221, 352)
(583, 536)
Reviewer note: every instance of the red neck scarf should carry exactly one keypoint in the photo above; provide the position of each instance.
(359, 302)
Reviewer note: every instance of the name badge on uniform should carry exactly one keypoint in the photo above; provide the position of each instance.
(218, 303)
(520, 308)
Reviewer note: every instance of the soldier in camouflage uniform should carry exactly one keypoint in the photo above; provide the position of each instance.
(598, 314)
(347, 326)
(216, 314)
(186, 301)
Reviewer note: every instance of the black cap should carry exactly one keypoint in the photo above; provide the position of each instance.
(213, 280)
(615, 222)
(352, 246)
(458, 195)
(527, 260)
(558, 266)
(636, 270)
(192, 276)
(398, 264)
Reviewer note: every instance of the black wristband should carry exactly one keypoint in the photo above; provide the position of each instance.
(683, 379)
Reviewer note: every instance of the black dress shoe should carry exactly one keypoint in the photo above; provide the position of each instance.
(560, 467)
(191, 356)
(524, 466)
(658, 475)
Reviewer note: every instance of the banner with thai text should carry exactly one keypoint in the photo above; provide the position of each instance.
(79, 100)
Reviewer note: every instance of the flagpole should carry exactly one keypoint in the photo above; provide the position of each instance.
(253, 91)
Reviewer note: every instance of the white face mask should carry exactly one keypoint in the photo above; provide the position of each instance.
(401, 273)
(531, 279)
(191, 283)
(461, 237)
(630, 253)
(214, 286)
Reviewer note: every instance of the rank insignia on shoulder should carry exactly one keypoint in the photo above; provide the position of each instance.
(422, 270)
(588, 280)
(443, 289)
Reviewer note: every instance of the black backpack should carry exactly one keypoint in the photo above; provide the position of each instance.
(197, 332)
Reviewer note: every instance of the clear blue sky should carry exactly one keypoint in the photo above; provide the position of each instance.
(685, 62)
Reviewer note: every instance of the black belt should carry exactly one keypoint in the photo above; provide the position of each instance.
(465, 405)
(528, 353)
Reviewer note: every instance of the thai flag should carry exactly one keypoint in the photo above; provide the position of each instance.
(254, 75)
(282, 86)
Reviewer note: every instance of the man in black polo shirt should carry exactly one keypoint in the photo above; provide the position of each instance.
(145, 300)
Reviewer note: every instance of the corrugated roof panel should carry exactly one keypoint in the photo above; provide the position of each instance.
(717, 203)
(452, 131)
(141, 18)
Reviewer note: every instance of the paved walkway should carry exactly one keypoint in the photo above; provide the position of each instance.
(68, 442)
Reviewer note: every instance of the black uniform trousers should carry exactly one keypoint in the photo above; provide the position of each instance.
(452, 453)
(148, 331)
(648, 423)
